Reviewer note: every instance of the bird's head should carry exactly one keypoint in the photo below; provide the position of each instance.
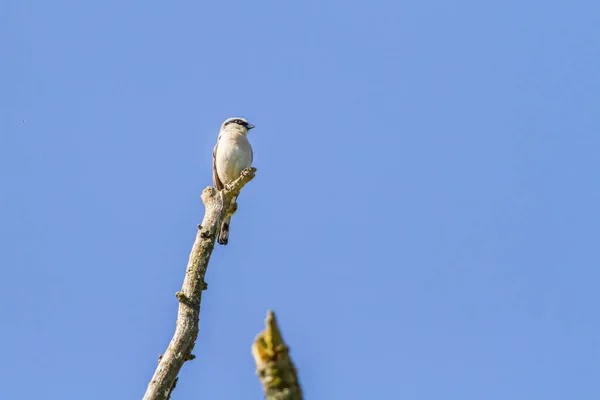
(238, 124)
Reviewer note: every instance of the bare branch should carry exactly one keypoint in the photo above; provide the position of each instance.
(186, 331)
(274, 366)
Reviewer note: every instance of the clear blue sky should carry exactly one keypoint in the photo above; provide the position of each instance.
(425, 219)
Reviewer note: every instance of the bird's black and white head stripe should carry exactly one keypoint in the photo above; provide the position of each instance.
(237, 121)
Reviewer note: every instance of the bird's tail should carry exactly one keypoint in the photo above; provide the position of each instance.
(223, 237)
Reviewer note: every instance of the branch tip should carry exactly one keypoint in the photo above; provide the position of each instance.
(274, 367)
(233, 188)
(207, 194)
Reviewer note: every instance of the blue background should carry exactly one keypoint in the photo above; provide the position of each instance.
(424, 220)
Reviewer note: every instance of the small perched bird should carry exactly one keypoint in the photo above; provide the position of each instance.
(231, 155)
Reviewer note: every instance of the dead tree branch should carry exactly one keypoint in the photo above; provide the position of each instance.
(274, 366)
(217, 205)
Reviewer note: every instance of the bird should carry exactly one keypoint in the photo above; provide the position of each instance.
(231, 155)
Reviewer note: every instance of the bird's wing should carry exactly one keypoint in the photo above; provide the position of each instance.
(216, 181)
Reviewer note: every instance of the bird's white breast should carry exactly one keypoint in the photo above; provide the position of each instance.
(234, 154)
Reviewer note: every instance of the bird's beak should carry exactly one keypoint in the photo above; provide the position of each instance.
(249, 126)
